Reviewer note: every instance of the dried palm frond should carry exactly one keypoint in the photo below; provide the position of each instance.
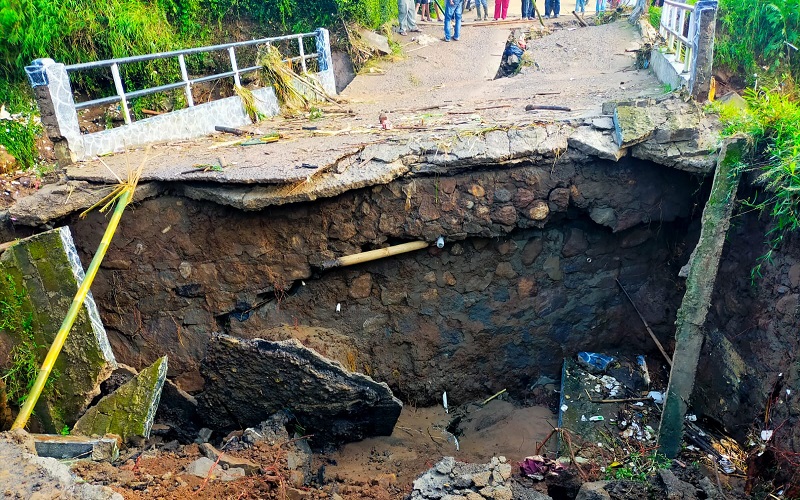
(249, 103)
(279, 74)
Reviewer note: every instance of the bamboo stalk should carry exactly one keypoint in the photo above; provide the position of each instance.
(358, 258)
(74, 308)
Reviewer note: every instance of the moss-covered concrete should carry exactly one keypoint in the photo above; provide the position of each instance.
(47, 268)
(703, 265)
(130, 410)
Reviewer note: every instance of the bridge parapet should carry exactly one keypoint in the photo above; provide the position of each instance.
(686, 58)
(54, 94)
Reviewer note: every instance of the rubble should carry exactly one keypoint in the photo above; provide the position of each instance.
(461, 481)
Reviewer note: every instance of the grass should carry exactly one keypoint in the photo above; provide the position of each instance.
(280, 76)
(772, 119)
(638, 467)
(24, 357)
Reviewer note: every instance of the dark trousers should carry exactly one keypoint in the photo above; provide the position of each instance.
(552, 7)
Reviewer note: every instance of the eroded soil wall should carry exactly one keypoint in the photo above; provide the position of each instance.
(527, 275)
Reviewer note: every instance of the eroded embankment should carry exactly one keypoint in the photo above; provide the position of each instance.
(526, 276)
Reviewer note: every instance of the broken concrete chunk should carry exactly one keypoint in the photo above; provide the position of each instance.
(374, 41)
(130, 410)
(247, 380)
(25, 475)
(597, 143)
(76, 447)
(41, 276)
(632, 125)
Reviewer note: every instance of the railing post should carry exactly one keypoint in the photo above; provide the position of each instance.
(126, 113)
(325, 61)
(302, 54)
(704, 20)
(185, 76)
(50, 82)
(234, 66)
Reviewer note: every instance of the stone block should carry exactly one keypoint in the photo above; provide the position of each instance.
(593, 491)
(130, 410)
(76, 447)
(597, 143)
(250, 468)
(44, 273)
(255, 377)
(205, 467)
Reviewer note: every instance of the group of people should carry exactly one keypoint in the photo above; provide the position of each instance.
(454, 9)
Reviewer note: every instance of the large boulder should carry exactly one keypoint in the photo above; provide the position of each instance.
(249, 380)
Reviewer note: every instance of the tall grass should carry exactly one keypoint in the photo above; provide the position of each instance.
(753, 37)
(772, 119)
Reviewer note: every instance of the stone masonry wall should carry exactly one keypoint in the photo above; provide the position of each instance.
(526, 277)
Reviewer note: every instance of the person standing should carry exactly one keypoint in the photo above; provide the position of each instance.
(425, 14)
(527, 9)
(452, 10)
(600, 6)
(478, 4)
(580, 6)
(500, 9)
(406, 15)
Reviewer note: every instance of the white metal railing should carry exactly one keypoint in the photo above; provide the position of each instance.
(186, 83)
(677, 27)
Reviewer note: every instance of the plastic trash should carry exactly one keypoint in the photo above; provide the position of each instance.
(444, 402)
(596, 418)
(656, 396)
(594, 361)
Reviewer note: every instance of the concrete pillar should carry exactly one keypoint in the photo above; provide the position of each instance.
(325, 60)
(703, 268)
(705, 20)
(51, 86)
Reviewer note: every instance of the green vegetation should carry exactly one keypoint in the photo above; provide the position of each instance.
(772, 119)
(72, 31)
(655, 16)
(23, 360)
(638, 467)
(753, 37)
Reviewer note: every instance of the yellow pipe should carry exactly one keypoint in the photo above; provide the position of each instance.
(58, 343)
(358, 258)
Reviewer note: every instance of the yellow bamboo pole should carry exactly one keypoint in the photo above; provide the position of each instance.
(58, 343)
(358, 258)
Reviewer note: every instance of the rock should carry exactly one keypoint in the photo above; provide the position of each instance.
(575, 243)
(178, 410)
(25, 475)
(605, 216)
(298, 452)
(539, 210)
(522, 493)
(376, 42)
(481, 479)
(445, 465)
(674, 488)
(502, 493)
(710, 489)
(47, 268)
(593, 491)
(295, 494)
(361, 286)
(250, 468)
(260, 377)
(202, 467)
(130, 411)
(596, 143)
